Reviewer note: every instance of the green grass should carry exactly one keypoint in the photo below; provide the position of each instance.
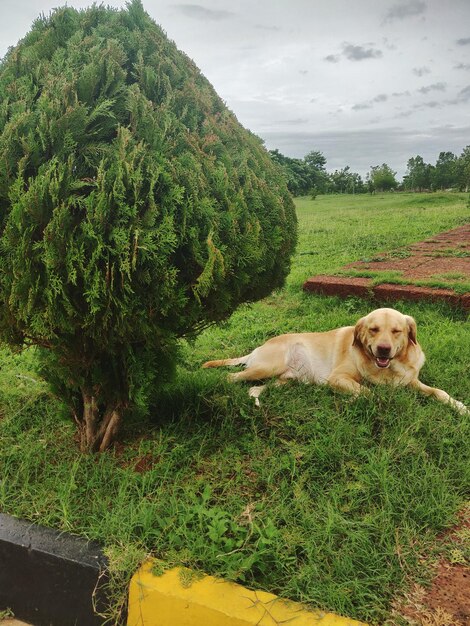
(314, 496)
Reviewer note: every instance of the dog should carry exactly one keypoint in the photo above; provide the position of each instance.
(381, 348)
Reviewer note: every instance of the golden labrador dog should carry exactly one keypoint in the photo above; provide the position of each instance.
(381, 348)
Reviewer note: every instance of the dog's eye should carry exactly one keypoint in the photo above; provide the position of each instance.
(374, 329)
(396, 331)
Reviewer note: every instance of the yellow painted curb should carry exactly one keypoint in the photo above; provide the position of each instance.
(178, 598)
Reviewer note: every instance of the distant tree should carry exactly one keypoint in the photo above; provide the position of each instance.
(445, 171)
(345, 181)
(303, 175)
(295, 172)
(357, 183)
(317, 175)
(382, 178)
(462, 170)
(369, 184)
(315, 159)
(418, 175)
(339, 180)
(321, 180)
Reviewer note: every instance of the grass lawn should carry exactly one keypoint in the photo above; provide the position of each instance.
(314, 496)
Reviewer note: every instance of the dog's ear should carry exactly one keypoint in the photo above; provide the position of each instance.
(358, 331)
(412, 329)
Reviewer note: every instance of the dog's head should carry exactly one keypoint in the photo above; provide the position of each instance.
(384, 334)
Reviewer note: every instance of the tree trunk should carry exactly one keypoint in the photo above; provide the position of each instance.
(98, 432)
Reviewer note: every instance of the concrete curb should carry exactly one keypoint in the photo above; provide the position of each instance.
(49, 578)
(180, 598)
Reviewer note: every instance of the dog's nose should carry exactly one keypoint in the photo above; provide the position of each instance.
(383, 349)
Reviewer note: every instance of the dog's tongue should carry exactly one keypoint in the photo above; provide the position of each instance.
(382, 362)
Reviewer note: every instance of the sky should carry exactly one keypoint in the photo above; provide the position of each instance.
(365, 82)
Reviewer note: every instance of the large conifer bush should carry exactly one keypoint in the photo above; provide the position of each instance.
(134, 208)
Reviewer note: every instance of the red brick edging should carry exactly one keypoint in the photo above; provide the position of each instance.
(363, 288)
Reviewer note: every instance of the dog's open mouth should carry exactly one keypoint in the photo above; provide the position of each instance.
(382, 362)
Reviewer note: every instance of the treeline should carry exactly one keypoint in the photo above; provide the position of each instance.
(450, 171)
(308, 176)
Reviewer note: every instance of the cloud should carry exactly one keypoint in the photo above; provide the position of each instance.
(332, 58)
(462, 66)
(421, 71)
(354, 52)
(361, 106)
(298, 121)
(359, 53)
(199, 12)
(433, 87)
(403, 11)
(463, 42)
(403, 114)
(464, 95)
(400, 94)
(433, 104)
(388, 45)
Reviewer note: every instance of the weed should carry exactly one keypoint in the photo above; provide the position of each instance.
(401, 253)
(123, 562)
(378, 276)
(450, 252)
(6, 614)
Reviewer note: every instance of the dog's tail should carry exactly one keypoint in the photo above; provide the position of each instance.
(241, 360)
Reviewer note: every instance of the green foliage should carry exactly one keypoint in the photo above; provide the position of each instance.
(419, 174)
(444, 174)
(214, 534)
(382, 178)
(463, 170)
(303, 175)
(449, 171)
(345, 181)
(134, 208)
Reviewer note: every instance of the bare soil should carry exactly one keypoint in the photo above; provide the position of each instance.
(445, 253)
(446, 602)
